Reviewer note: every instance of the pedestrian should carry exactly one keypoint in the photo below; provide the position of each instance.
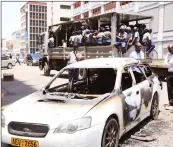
(138, 53)
(73, 58)
(17, 60)
(10, 56)
(169, 64)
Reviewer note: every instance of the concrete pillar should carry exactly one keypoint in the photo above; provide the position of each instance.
(113, 29)
(98, 23)
(118, 6)
(160, 30)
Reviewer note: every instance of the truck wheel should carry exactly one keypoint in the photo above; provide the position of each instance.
(9, 66)
(46, 69)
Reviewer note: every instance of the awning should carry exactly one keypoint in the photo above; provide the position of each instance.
(55, 28)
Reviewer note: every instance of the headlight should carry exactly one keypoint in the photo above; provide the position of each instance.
(73, 126)
(3, 121)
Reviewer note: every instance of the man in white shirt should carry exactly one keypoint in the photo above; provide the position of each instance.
(169, 64)
(137, 54)
(64, 44)
(73, 58)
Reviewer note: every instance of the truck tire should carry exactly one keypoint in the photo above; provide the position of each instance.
(46, 69)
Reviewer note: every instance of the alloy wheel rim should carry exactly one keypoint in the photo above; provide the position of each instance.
(110, 136)
(155, 107)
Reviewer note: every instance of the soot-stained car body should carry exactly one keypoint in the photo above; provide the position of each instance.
(95, 110)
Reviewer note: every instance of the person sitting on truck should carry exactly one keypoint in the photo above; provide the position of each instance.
(71, 40)
(121, 40)
(51, 41)
(64, 44)
(136, 37)
(147, 42)
(129, 37)
(169, 79)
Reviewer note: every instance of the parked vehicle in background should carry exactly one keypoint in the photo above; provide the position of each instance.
(7, 62)
(32, 59)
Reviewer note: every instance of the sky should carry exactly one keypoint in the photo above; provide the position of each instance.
(10, 18)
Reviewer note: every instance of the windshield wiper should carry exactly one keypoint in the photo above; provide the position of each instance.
(79, 96)
(52, 100)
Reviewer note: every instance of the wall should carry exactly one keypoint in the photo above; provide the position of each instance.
(57, 12)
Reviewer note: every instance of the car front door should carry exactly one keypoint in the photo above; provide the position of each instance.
(131, 98)
(152, 85)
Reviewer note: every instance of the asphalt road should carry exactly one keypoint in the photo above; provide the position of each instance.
(29, 79)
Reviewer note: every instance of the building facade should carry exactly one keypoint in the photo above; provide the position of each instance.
(58, 12)
(33, 22)
(16, 35)
(162, 23)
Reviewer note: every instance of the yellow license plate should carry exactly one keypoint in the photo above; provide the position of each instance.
(24, 142)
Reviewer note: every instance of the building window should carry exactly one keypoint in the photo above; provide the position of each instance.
(64, 19)
(125, 2)
(77, 4)
(65, 7)
(39, 8)
(34, 8)
(45, 9)
(78, 17)
(36, 22)
(86, 14)
(109, 6)
(96, 11)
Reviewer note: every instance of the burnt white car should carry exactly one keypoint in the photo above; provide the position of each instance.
(112, 97)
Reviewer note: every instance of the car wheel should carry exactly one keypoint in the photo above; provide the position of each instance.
(82, 73)
(9, 66)
(46, 69)
(154, 112)
(110, 136)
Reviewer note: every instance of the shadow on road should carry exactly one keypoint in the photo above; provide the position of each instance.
(14, 90)
(124, 139)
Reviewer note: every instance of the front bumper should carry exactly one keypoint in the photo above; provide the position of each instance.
(85, 138)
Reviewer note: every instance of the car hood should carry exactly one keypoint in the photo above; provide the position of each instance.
(30, 110)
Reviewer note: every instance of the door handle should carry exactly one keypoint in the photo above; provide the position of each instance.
(129, 94)
(137, 92)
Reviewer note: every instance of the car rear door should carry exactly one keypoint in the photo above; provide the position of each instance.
(145, 86)
(132, 99)
(153, 85)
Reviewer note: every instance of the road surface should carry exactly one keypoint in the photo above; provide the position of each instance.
(29, 79)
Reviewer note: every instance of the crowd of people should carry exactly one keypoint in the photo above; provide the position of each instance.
(130, 35)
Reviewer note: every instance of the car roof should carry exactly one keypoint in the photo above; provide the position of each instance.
(103, 63)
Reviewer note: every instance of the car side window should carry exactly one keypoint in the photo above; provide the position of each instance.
(138, 74)
(126, 80)
(146, 69)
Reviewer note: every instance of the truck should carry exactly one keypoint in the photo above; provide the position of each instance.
(56, 58)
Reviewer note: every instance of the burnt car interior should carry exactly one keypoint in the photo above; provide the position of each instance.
(96, 81)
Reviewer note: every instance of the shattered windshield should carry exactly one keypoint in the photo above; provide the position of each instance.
(90, 81)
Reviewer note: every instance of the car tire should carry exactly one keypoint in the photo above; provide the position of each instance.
(46, 69)
(9, 66)
(110, 137)
(154, 112)
(82, 73)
